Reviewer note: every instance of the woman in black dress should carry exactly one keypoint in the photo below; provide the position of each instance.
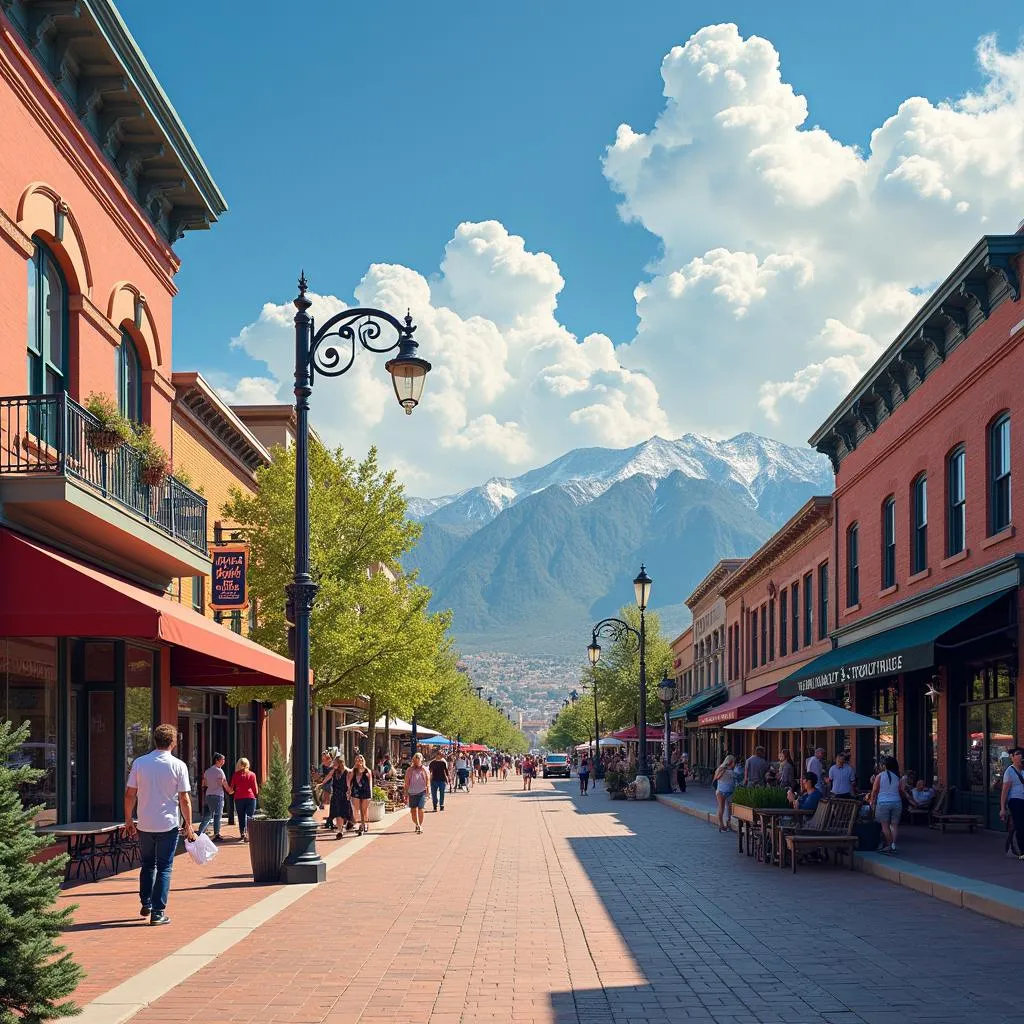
(341, 805)
(360, 784)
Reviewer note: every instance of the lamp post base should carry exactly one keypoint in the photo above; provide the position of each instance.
(662, 781)
(304, 873)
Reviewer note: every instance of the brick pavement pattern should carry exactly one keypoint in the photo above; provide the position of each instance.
(548, 907)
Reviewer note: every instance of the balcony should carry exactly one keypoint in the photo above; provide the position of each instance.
(56, 484)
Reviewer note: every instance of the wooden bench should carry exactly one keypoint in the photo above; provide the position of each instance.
(941, 818)
(835, 834)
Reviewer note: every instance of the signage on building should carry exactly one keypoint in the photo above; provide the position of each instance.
(709, 620)
(858, 671)
(229, 587)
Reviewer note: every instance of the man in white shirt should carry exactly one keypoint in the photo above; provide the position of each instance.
(461, 771)
(816, 764)
(158, 786)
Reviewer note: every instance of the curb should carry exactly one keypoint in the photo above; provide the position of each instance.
(994, 901)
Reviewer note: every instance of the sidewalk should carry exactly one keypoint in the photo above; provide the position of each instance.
(969, 871)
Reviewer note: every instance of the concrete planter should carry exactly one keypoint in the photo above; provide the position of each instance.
(375, 812)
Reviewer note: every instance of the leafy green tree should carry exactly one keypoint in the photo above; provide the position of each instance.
(37, 975)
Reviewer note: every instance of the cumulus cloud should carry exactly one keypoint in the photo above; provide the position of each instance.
(789, 261)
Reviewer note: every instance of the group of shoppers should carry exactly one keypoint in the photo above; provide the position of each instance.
(347, 792)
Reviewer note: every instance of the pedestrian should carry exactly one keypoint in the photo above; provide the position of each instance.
(440, 779)
(787, 769)
(887, 796)
(584, 774)
(485, 767)
(157, 790)
(725, 782)
(360, 782)
(816, 764)
(841, 780)
(415, 784)
(340, 810)
(462, 772)
(528, 772)
(1011, 797)
(682, 769)
(245, 790)
(326, 786)
(215, 784)
(756, 768)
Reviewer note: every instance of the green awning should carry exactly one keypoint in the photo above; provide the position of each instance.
(903, 649)
(704, 700)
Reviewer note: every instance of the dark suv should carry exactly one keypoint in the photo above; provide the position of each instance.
(556, 764)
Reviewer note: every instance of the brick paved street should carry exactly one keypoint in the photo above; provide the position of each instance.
(546, 907)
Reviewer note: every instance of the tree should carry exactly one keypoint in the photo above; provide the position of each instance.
(276, 792)
(371, 633)
(36, 974)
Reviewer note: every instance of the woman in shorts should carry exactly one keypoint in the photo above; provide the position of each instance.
(528, 772)
(360, 783)
(416, 783)
(887, 795)
(725, 782)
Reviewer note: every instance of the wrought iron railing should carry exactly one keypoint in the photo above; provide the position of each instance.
(50, 434)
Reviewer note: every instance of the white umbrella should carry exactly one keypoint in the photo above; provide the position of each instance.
(396, 725)
(606, 741)
(804, 713)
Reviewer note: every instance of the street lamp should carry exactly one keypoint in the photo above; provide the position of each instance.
(666, 693)
(329, 352)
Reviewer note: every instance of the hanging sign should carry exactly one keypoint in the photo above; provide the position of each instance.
(229, 589)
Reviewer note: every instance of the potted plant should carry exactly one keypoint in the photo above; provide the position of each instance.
(745, 799)
(268, 829)
(153, 458)
(111, 429)
(615, 784)
(378, 801)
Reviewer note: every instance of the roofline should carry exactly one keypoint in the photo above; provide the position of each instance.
(689, 629)
(813, 510)
(122, 42)
(722, 569)
(193, 380)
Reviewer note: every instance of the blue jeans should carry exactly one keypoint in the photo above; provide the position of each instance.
(437, 789)
(213, 808)
(157, 853)
(246, 808)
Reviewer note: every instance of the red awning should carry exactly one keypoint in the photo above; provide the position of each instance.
(654, 735)
(43, 593)
(742, 706)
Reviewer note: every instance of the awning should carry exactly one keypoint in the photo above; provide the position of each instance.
(741, 706)
(654, 735)
(903, 649)
(704, 701)
(43, 593)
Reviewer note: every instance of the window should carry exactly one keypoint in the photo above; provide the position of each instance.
(956, 513)
(919, 501)
(771, 629)
(764, 634)
(236, 621)
(823, 600)
(999, 475)
(795, 607)
(47, 324)
(889, 543)
(129, 379)
(852, 566)
(783, 621)
(808, 609)
(753, 638)
(736, 646)
(197, 594)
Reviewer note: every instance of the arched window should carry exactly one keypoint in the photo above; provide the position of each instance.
(47, 324)
(956, 502)
(889, 543)
(999, 475)
(919, 522)
(129, 379)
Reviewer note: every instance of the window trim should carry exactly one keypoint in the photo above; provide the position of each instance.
(808, 609)
(997, 525)
(958, 453)
(794, 595)
(128, 352)
(42, 255)
(889, 542)
(853, 564)
(822, 600)
(918, 527)
(783, 621)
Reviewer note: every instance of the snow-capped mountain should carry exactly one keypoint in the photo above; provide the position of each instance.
(748, 463)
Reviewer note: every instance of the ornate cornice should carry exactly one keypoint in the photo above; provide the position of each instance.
(11, 233)
(720, 572)
(985, 278)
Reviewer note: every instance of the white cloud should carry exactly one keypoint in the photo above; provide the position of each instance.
(789, 261)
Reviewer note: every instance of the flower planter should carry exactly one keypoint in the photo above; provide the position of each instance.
(268, 847)
(153, 476)
(102, 440)
(375, 812)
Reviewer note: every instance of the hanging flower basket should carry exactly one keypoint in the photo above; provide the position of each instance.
(103, 440)
(108, 429)
(153, 476)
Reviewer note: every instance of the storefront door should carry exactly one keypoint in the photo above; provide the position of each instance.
(97, 780)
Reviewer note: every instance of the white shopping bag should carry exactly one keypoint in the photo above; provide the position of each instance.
(202, 851)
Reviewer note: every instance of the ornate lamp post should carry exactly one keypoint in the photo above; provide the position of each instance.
(329, 352)
(619, 630)
(666, 693)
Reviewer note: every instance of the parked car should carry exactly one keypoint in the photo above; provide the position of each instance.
(556, 764)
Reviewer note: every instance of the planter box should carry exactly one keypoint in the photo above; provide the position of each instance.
(268, 847)
(375, 812)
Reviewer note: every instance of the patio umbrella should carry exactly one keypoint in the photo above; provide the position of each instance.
(396, 725)
(438, 741)
(606, 741)
(801, 714)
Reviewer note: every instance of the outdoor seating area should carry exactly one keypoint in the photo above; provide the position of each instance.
(95, 847)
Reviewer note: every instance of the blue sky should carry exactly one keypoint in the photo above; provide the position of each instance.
(362, 133)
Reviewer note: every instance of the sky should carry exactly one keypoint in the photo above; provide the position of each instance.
(609, 221)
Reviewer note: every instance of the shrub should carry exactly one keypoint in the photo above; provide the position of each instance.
(379, 794)
(36, 974)
(760, 796)
(614, 781)
(276, 791)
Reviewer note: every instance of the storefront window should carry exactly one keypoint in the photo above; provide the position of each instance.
(28, 693)
(883, 707)
(138, 704)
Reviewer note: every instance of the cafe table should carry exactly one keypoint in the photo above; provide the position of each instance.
(769, 820)
(82, 849)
